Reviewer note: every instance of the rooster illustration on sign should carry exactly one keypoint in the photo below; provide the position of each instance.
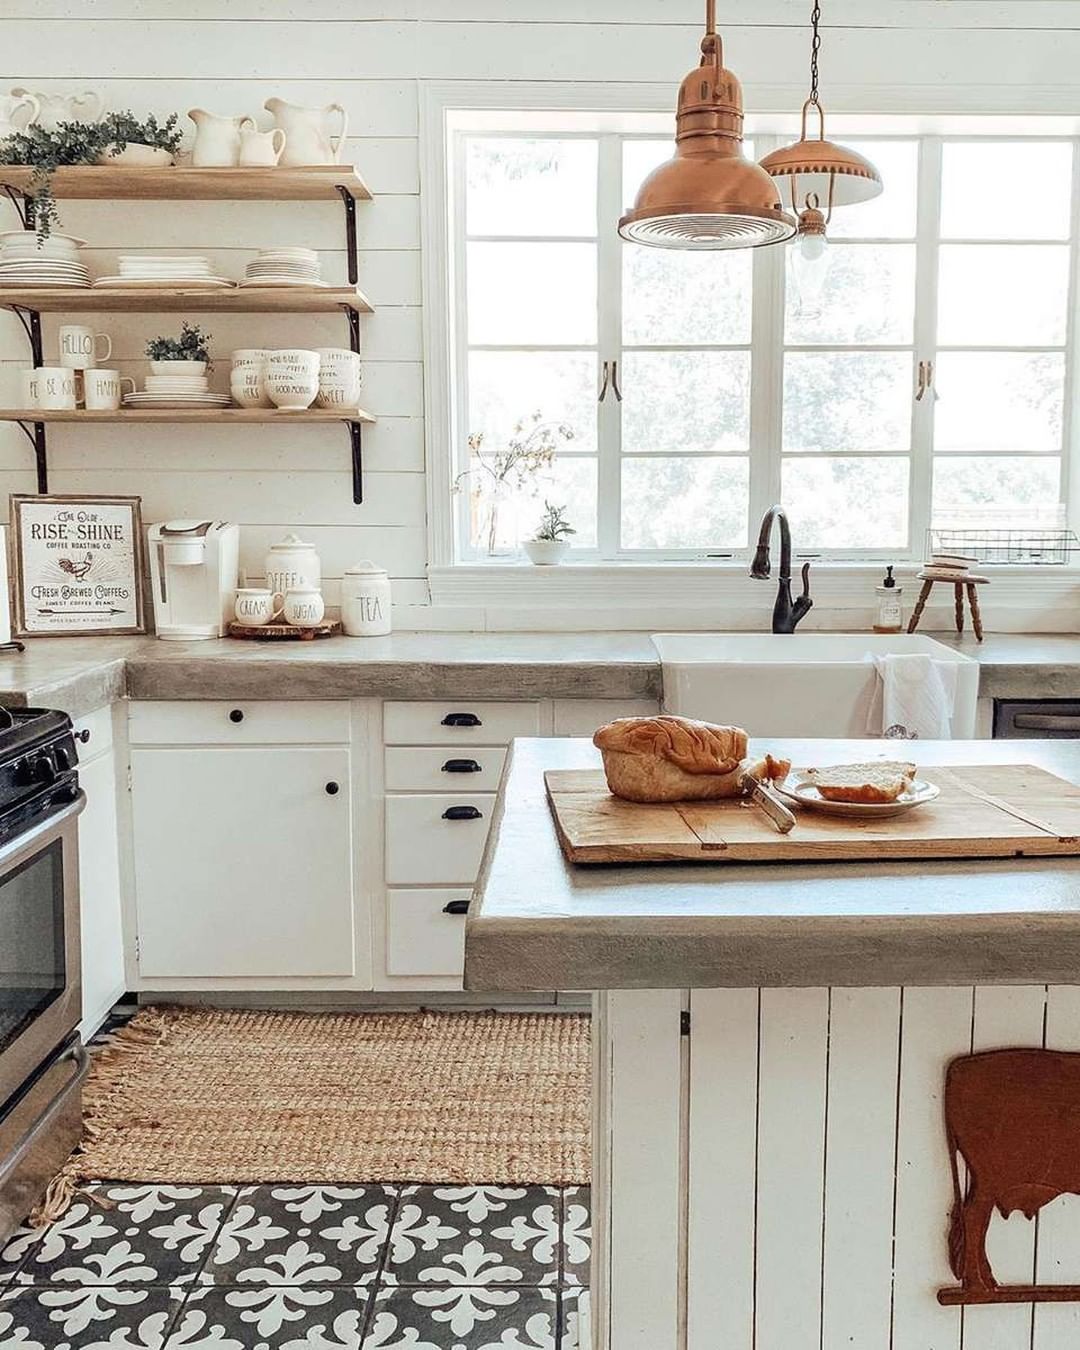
(78, 570)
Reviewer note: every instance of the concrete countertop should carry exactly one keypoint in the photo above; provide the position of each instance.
(81, 674)
(539, 922)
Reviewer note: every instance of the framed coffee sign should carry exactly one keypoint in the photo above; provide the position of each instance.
(78, 565)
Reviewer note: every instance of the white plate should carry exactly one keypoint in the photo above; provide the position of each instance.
(44, 269)
(35, 284)
(798, 790)
(281, 281)
(140, 283)
(134, 401)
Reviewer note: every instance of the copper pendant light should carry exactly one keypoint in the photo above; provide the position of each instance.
(815, 174)
(709, 195)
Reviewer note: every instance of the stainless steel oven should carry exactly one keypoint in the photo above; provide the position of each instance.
(42, 1062)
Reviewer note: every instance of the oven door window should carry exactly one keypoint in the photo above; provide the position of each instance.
(32, 967)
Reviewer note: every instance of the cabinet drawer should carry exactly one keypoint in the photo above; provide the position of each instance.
(460, 723)
(254, 722)
(428, 768)
(94, 734)
(424, 846)
(421, 937)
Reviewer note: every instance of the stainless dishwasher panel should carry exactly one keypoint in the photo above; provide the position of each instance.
(1033, 720)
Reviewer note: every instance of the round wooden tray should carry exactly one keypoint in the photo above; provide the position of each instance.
(285, 632)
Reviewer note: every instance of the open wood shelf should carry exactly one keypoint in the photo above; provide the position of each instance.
(313, 182)
(229, 416)
(174, 299)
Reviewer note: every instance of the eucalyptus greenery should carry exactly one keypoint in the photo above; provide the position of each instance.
(192, 345)
(79, 143)
(553, 524)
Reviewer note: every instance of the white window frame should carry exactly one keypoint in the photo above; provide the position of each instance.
(608, 105)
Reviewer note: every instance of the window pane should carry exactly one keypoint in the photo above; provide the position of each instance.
(673, 297)
(507, 389)
(847, 401)
(685, 401)
(999, 401)
(685, 503)
(997, 492)
(892, 214)
(517, 505)
(1006, 190)
(1002, 295)
(525, 186)
(532, 293)
(867, 294)
(847, 503)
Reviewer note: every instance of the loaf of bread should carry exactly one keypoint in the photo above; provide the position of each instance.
(879, 781)
(676, 759)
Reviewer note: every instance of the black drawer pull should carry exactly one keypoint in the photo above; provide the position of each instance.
(461, 720)
(236, 715)
(332, 789)
(462, 813)
(461, 766)
(83, 735)
(456, 907)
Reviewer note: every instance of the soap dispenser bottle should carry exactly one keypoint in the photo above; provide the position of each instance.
(890, 616)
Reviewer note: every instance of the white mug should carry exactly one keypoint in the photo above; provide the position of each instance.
(304, 607)
(78, 346)
(257, 606)
(57, 388)
(261, 147)
(103, 389)
(30, 381)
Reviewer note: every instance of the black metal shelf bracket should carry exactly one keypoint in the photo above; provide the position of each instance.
(354, 328)
(350, 232)
(23, 204)
(35, 434)
(356, 434)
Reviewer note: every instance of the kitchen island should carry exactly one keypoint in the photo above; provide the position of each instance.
(770, 1165)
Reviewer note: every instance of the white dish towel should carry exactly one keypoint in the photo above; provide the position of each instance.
(916, 692)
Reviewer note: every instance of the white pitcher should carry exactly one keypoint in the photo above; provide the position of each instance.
(217, 139)
(13, 104)
(308, 137)
(56, 108)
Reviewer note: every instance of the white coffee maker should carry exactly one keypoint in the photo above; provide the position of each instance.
(193, 572)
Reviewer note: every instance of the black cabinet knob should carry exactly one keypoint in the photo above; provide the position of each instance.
(462, 813)
(332, 789)
(236, 715)
(461, 766)
(456, 907)
(461, 720)
(83, 735)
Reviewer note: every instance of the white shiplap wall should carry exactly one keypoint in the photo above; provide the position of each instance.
(969, 55)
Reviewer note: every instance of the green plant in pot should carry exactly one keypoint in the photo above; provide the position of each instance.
(121, 137)
(188, 354)
(551, 542)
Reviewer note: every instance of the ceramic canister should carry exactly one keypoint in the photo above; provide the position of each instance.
(365, 600)
(291, 564)
(304, 606)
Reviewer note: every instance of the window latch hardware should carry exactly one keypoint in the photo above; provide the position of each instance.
(606, 372)
(615, 381)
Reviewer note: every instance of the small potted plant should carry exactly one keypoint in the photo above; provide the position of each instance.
(189, 354)
(550, 544)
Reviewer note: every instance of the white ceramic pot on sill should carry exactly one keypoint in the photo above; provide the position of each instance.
(546, 552)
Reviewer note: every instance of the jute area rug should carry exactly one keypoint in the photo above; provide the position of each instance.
(228, 1095)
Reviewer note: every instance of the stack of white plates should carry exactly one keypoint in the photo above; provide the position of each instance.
(52, 262)
(140, 270)
(284, 267)
(177, 391)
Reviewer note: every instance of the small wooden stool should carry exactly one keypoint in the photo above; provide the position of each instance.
(960, 582)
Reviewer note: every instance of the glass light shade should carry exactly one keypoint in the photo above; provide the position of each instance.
(807, 273)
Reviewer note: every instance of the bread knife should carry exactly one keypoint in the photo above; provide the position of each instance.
(769, 802)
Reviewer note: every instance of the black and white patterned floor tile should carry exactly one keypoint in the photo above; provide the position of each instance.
(101, 1317)
(475, 1235)
(576, 1236)
(303, 1235)
(272, 1317)
(464, 1317)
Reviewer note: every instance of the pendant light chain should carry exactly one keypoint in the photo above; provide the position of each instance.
(815, 48)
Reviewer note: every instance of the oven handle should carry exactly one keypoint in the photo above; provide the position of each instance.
(78, 1055)
(24, 844)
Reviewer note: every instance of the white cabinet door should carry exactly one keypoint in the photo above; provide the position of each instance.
(243, 861)
(99, 892)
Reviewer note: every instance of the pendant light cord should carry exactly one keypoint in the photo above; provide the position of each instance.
(815, 48)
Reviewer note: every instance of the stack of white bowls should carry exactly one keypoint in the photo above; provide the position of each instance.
(339, 378)
(247, 379)
(284, 267)
(287, 379)
(54, 261)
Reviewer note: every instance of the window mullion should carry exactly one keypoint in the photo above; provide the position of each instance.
(1070, 479)
(766, 369)
(927, 255)
(609, 337)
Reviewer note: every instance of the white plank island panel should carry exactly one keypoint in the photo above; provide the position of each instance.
(538, 922)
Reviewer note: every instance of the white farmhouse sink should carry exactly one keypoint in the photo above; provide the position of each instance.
(795, 684)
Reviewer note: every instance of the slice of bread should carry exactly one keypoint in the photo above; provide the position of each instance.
(880, 781)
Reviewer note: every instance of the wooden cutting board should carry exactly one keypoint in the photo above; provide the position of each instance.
(984, 811)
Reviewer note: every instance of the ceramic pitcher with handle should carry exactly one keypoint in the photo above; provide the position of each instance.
(217, 139)
(56, 108)
(12, 106)
(309, 138)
